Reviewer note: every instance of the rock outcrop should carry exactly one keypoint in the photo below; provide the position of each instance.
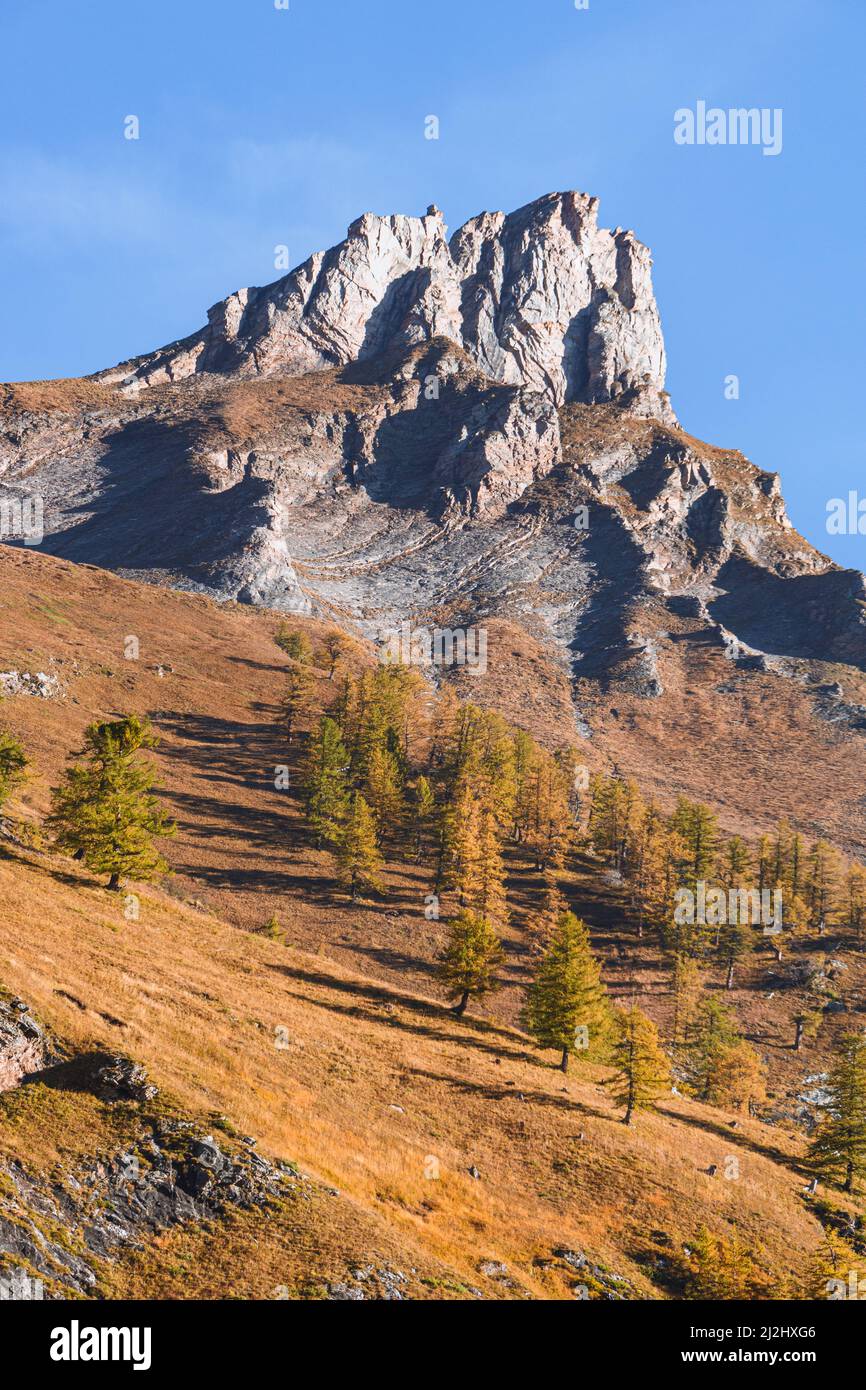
(23, 1046)
(542, 298)
(56, 1230)
(29, 683)
(64, 1231)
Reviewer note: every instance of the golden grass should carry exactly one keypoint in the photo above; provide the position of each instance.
(201, 1004)
(199, 1001)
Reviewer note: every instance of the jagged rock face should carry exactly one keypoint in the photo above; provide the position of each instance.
(63, 1228)
(492, 387)
(542, 298)
(68, 1230)
(22, 1044)
(415, 485)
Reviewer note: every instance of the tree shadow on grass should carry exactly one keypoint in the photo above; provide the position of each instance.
(223, 749)
(245, 880)
(423, 1008)
(81, 1073)
(254, 824)
(740, 1140)
(388, 957)
(282, 668)
(568, 1104)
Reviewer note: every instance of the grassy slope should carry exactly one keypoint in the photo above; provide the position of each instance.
(199, 1001)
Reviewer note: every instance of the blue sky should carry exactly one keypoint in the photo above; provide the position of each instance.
(261, 126)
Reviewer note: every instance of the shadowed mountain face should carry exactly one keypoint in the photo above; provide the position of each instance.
(408, 428)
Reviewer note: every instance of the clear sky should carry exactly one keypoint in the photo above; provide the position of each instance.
(262, 126)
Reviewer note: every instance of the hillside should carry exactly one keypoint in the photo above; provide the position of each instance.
(373, 1077)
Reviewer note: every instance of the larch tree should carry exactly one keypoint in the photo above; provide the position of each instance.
(686, 989)
(642, 1071)
(839, 1147)
(765, 860)
(470, 959)
(855, 895)
(443, 731)
(611, 799)
(830, 1268)
(697, 827)
(822, 889)
(337, 648)
(297, 697)
(795, 865)
(485, 892)
(567, 1006)
(496, 771)
(383, 791)
(736, 943)
(424, 814)
(724, 1268)
(714, 1034)
(549, 820)
(543, 922)
(358, 859)
(735, 864)
(295, 643)
(781, 853)
(739, 1078)
(461, 853)
(646, 861)
(13, 766)
(105, 812)
(326, 783)
(524, 756)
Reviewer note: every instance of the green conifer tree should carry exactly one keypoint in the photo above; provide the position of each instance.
(326, 783)
(105, 812)
(839, 1147)
(736, 943)
(13, 766)
(358, 858)
(468, 963)
(567, 1005)
(697, 827)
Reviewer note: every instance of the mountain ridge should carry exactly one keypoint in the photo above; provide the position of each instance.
(541, 297)
(409, 484)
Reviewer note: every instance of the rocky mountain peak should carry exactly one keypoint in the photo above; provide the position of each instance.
(416, 424)
(540, 298)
